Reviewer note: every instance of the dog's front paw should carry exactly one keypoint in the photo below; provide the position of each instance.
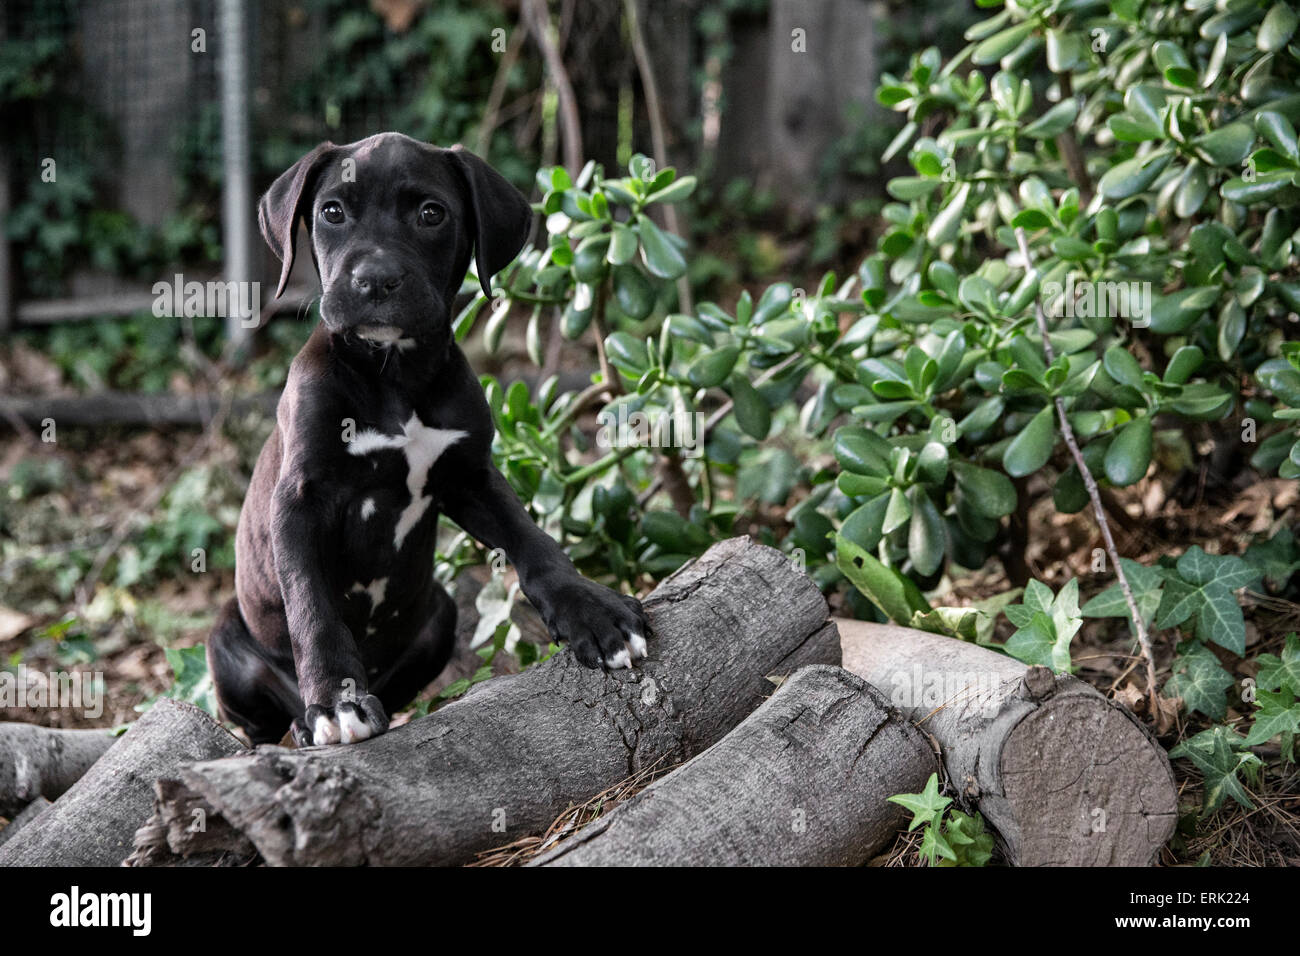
(345, 722)
(602, 626)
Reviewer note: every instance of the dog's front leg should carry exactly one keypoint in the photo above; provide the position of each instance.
(331, 676)
(603, 626)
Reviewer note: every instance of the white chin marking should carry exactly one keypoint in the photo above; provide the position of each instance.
(637, 643)
(325, 731)
(621, 659)
(352, 728)
(383, 334)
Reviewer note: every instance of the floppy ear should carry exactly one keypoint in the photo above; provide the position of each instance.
(280, 209)
(502, 216)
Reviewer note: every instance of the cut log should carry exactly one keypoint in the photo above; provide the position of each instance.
(94, 822)
(1064, 776)
(44, 761)
(504, 761)
(803, 781)
(25, 816)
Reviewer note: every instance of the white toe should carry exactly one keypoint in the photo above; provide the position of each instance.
(637, 643)
(621, 659)
(352, 728)
(325, 731)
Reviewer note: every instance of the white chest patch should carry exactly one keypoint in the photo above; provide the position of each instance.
(367, 509)
(422, 446)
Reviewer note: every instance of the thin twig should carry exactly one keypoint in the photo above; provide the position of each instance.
(539, 22)
(492, 112)
(1144, 639)
(602, 333)
(658, 140)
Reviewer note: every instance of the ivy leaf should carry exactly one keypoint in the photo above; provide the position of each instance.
(972, 843)
(1276, 559)
(1145, 583)
(1216, 754)
(1204, 587)
(1276, 673)
(1278, 713)
(191, 681)
(1045, 626)
(926, 806)
(1200, 680)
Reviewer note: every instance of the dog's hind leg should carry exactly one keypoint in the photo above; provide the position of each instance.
(252, 691)
(424, 659)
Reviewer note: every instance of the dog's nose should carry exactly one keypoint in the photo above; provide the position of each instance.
(376, 279)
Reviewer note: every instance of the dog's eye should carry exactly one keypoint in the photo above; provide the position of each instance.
(431, 213)
(332, 212)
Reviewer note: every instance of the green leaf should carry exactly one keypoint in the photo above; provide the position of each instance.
(1172, 62)
(711, 368)
(633, 292)
(1200, 680)
(926, 540)
(1278, 713)
(678, 190)
(1228, 146)
(660, 256)
(1031, 449)
(861, 452)
(898, 513)
(1277, 28)
(622, 245)
(1122, 366)
(1045, 626)
(897, 596)
(1129, 455)
(991, 493)
(1000, 44)
(1276, 673)
(191, 681)
(1132, 176)
(1277, 129)
(1229, 571)
(865, 525)
(926, 806)
(947, 223)
(1217, 755)
(1144, 582)
(752, 413)
(1055, 121)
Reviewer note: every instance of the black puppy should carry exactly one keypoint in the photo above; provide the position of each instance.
(337, 619)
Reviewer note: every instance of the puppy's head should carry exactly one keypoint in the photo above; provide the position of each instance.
(392, 224)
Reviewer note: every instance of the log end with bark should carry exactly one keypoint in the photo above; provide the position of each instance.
(803, 781)
(1063, 776)
(94, 823)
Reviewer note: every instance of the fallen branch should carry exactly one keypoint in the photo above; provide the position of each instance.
(44, 761)
(94, 822)
(503, 762)
(1144, 639)
(25, 816)
(130, 409)
(1064, 776)
(804, 781)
